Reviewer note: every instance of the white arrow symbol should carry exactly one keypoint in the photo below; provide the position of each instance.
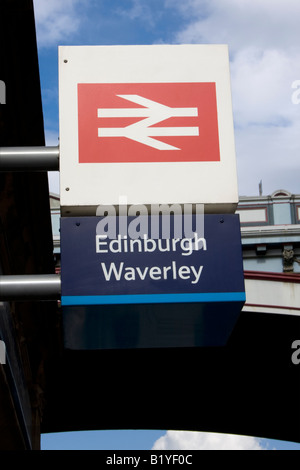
(153, 113)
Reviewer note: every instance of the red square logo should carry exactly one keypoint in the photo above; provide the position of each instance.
(147, 122)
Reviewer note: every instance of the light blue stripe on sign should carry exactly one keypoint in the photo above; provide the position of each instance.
(152, 298)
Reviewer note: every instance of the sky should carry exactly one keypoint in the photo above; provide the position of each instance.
(263, 38)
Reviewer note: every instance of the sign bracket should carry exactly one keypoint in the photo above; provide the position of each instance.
(29, 158)
(30, 287)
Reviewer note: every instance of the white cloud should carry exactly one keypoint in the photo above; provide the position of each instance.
(188, 440)
(263, 24)
(263, 38)
(267, 123)
(53, 181)
(139, 9)
(56, 20)
(268, 153)
(261, 86)
(51, 137)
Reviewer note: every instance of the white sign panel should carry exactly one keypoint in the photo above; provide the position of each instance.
(146, 124)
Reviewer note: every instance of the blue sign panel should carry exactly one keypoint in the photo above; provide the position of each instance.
(141, 289)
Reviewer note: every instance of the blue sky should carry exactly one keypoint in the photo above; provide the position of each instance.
(263, 38)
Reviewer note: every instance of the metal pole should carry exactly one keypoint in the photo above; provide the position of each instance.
(30, 287)
(29, 158)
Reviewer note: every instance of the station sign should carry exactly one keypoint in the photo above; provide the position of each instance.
(153, 123)
(150, 290)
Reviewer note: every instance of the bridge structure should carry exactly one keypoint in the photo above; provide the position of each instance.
(249, 386)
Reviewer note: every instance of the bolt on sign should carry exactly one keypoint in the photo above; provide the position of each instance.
(152, 123)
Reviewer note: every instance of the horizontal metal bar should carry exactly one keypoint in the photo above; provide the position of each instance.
(29, 158)
(30, 287)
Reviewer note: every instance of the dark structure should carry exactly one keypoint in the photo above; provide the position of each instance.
(250, 386)
(28, 329)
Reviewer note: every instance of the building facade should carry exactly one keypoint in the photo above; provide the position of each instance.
(270, 230)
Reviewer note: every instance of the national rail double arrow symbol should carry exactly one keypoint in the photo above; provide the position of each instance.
(153, 113)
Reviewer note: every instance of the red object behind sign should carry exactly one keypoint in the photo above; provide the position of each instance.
(147, 122)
